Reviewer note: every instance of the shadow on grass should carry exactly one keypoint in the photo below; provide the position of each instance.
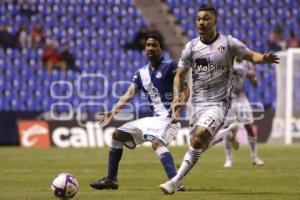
(265, 193)
(223, 191)
(239, 192)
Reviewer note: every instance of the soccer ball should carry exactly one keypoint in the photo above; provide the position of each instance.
(64, 186)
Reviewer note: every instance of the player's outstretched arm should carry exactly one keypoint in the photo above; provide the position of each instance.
(106, 117)
(259, 58)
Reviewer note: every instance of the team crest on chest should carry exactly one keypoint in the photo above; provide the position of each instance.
(158, 75)
(221, 49)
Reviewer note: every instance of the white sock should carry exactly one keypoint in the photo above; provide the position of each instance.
(228, 149)
(252, 144)
(220, 136)
(190, 159)
(115, 144)
(161, 150)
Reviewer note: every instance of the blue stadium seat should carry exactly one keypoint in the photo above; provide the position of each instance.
(102, 27)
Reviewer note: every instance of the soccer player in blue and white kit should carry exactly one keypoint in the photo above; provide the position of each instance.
(156, 81)
(210, 57)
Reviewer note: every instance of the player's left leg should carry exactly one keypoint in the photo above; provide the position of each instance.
(200, 139)
(227, 134)
(252, 143)
(166, 160)
(230, 141)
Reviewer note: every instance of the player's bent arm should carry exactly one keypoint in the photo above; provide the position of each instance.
(179, 82)
(252, 77)
(125, 98)
(259, 58)
(182, 94)
(184, 97)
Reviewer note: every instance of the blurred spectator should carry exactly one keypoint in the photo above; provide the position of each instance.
(51, 58)
(22, 38)
(293, 41)
(6, 38)
(68, 58)
(139, 40)
(38, 36)
(28, 9)
(276, 41)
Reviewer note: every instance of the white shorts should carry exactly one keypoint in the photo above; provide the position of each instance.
(149, 128)
(240, 111)
(210, 116)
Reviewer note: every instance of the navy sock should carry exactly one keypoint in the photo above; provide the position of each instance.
(167, 161)
(113, 163)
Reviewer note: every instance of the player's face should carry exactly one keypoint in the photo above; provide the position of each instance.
(205, 22)
(152, 48)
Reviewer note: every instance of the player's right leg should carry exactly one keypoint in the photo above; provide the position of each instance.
(248, 120)
(206, 122)
(200, 139)
(252, 143)
(115, 155)
(228, 153)
(130, 134)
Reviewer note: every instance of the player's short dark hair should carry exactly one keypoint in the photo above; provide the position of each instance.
(157, 37)
(208, 7)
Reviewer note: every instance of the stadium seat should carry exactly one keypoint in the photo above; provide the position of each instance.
(97, 30)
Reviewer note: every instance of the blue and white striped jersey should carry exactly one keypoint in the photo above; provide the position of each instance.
(157, 85)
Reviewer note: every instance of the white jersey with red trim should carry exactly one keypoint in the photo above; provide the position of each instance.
(240, 70)
(211, 67)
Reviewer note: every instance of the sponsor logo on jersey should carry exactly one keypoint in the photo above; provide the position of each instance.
(202, 65)
(33, 133)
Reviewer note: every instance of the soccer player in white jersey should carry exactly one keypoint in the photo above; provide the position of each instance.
(210, 57)
(240, 110)
(156, 80)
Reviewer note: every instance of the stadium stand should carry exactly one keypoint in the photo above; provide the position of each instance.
(96, 32)
(250, 21)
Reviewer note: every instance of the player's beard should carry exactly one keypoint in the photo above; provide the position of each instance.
(154, 59)
(152, 56)
(202, 30)
(206, 34)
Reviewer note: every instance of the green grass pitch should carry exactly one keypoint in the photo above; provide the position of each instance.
(27, 174)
